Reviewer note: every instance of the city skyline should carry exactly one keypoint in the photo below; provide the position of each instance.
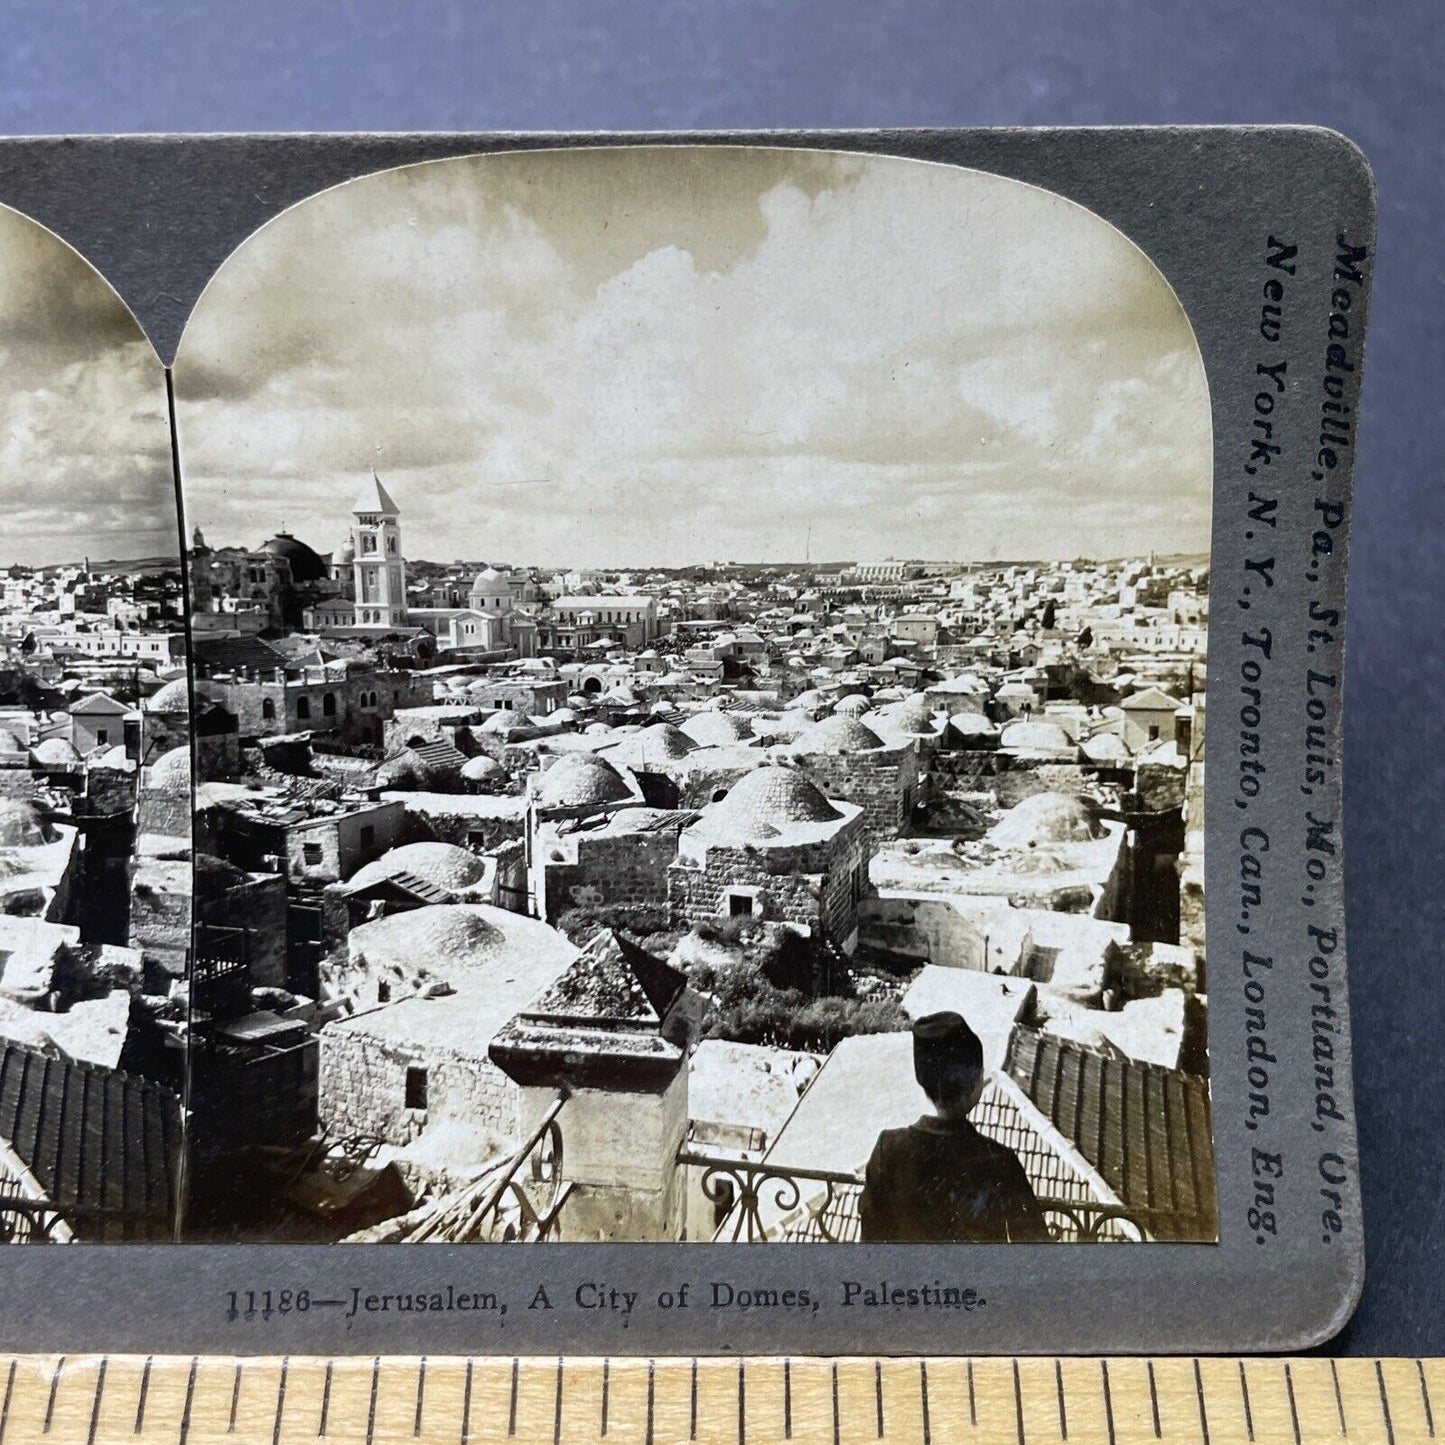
(538, 350)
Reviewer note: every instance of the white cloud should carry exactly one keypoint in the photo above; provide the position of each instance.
(551, 358)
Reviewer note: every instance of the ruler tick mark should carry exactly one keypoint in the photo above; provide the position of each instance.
(191, 1395)
(1108, 1399)
(467, 1404)
(280, 1401)
(1063, 1412)
(692, 1426)
(1293, 1407)
(923, 1399)
(325, 1403)
(557, 1407)
(1154, 1401)
(651, 1382)
(420, 1396)
(1385, 1404)
(837, 1423)
(1339, 1398)
(1244, 1394)
(95, 1408)
(140, 1404)
(972, 1403)
(512, 1407)
(235, 1399)
(1425, 1400)
(606, 1371)
(787, 1399)
(5, 1408)
(371, 1406)
(742, 1407)
(1018, 1404)
(878, 1393)
(1203, 1413)
(54, 1388)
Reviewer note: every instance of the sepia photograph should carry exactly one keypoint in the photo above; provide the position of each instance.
(95, 773)
(698, 712)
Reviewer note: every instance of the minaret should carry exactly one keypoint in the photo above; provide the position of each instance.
(379, 567)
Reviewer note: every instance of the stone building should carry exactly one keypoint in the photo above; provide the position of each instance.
(620, 860)
(848, 760)
(378, 567)
(352, 700)
(432, 987)
(580, 785)
(775, 848)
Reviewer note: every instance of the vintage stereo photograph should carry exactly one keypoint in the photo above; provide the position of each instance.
(758, 713)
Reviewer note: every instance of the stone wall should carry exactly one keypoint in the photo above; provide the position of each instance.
(815, 886)
(363, 1087)
(884, 785)
(583, 870)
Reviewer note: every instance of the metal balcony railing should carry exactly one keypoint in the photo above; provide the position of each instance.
(759, 1201)
(520, 1203)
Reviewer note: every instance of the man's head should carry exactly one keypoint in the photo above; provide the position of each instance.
(948, 1063)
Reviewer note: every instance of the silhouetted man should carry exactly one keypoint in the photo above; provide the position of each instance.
(940, 1180)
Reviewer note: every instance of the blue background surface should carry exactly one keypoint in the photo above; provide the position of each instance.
(1370, 70)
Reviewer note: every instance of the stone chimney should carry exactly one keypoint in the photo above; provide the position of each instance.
(614, 1033)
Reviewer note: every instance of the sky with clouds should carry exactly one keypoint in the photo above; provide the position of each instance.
(676, 355)
(85, 459)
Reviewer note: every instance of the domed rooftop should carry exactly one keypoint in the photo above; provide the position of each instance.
(838, 734)
(581, 780)
(403, 771)
(437, 935)
(768, 800)
(54, 753)
(171, 773)
(913, 716)
(971, 724)
(444, 864)
(502, 723)
(854, 705)
(21, 825)
(1046, 818)
(652, 744)
(1036, 735)
(306, 566)
(1105, 748)
(173, 697)
(491, 583)
(812, 701)
(482, 769)
(717, 729)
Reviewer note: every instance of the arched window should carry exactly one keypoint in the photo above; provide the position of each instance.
(303, 707)
(268, 709)
(328, 705)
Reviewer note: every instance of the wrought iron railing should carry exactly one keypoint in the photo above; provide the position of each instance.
(757, 1201)
(753, 1198)
(521, 1203)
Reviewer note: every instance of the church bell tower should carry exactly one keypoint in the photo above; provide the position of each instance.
(378, 566)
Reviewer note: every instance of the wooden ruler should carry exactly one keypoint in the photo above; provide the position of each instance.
(94, 1400)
